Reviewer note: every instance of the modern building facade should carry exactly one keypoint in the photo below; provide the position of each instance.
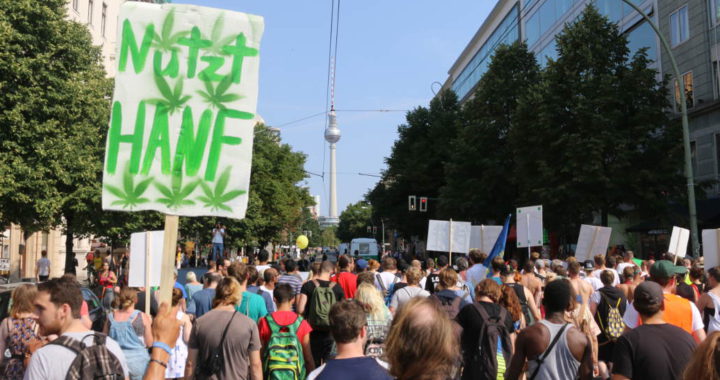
(691, 27)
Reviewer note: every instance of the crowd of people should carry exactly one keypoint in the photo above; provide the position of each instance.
(611, 317)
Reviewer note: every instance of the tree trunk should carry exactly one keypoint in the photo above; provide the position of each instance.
(69, 254)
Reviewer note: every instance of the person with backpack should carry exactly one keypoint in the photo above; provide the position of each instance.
(252, 304)
(78, 351)
(553, 348)
(411, 290)
(377, 314)
(285, 338)
(224, 344)
(608, 305)
(527, 301)
(345, 277)
(487, 334)
(316, 299)
(17, 332)
(446, 293)
(131, 329)
(348, 327)
(385, 281)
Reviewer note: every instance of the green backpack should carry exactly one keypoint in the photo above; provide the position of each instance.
(322, 300)
(284, 355)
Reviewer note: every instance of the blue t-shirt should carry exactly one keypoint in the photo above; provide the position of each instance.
(269, 305)
(253, 306)
(361, 368)
(203, 301)
(182, 288)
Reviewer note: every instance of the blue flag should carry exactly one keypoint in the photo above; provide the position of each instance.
(499, 247)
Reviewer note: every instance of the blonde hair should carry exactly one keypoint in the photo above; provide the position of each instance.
(227, 292)
(413, 276)
(419, 325)
(126, 298)
(22, 300)
(372, 300)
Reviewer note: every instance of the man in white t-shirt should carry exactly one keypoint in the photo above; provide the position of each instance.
(218, 234)
(263, 258)
(42, 268)
(385, 279)
(605, 263)
(58, 304)
(627, 261)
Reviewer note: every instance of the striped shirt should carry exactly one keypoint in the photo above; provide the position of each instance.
(292, 279)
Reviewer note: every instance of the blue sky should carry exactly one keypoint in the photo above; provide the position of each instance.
(389, 54)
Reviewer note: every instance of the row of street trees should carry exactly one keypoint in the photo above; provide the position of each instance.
(587, 134)
(54, 113)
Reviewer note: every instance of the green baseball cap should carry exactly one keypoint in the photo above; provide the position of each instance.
(666, 269)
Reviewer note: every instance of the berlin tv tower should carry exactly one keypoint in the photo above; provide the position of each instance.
(332, 135)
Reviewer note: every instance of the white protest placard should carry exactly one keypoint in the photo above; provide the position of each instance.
(137, 276)
(484, 237)
(593, 240)
(183, 111)
(529, 226)
(711, 251)
(439, 232)
(679, 241)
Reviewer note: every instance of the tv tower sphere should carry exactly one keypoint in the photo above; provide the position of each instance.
(332, 133)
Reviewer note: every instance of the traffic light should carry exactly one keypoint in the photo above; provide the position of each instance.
(412, 203)
(374, 230)
(423, 204)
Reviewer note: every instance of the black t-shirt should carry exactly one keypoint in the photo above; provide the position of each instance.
(653, 352)
(309, 287)
(471, 322)
(431, 282)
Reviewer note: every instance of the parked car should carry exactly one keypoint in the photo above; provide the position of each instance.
(97, 313)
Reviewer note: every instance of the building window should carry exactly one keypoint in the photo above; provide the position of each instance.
(75, 4)
(679, 28)
(103, 19)
(643, 36)
(689, 95)
(90, 12)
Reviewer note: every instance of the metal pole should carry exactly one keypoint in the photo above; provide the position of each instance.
(686, 132)
(383, 237)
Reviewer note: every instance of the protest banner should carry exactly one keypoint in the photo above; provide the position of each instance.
(529, 227)
(484, 237)
(448, 236)
(183, 115)
(593, 240)
(679, 242)
(711, 251)
(145, 263)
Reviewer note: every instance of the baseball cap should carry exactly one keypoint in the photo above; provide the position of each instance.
(647, 294)
(666, 269)
(589, 265)
(361, 263)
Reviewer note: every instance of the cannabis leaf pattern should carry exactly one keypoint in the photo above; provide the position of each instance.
(166, 40)
(172, 99)
(177, 194)
(216, 200)
(216, 96)
(216, 37)
(130, 195)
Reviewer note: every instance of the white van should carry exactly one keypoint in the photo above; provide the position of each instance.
(367, 248)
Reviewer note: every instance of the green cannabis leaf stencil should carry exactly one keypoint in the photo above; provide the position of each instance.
(216, 199)
(166, 40)
(172, 99)
(130, 195)
(216, 96)
(177, 194)
(216, 36)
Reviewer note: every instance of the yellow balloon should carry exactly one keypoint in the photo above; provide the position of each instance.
(302, 242)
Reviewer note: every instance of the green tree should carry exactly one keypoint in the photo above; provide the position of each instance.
(328, 237)
(310, 226)
(354, 221)
(480, 174)
(54, 97)
(593, 136)
(416, 165)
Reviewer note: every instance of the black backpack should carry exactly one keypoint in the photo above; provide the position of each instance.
(451, 306)
(520, 292)
(92, 362)
(493, 331)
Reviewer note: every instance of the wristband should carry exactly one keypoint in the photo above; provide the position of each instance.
(162, 346)
(158, 362)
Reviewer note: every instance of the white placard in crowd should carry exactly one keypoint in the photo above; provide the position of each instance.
(711, 252)
(679, 241)
(593, 240)
(484, 237)
(529, 226)
(439, 236)
(138, 262)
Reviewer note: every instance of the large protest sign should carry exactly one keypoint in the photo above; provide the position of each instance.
(679, 242)
(448, 236)
(183, 111)
(484, 237)
(593, 240)
(145, 264)
(711, 249)
(529, 226)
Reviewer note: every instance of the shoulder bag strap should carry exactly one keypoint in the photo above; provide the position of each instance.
(222, 340)
(542, 358)
(380, 281)
(481, 310)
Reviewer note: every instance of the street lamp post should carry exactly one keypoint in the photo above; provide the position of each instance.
(686, 132)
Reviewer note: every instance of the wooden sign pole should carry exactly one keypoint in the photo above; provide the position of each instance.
(527, 219)
(168, 259)
(482, 238)
(592, 242)
(148, 261)
(450, 247)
